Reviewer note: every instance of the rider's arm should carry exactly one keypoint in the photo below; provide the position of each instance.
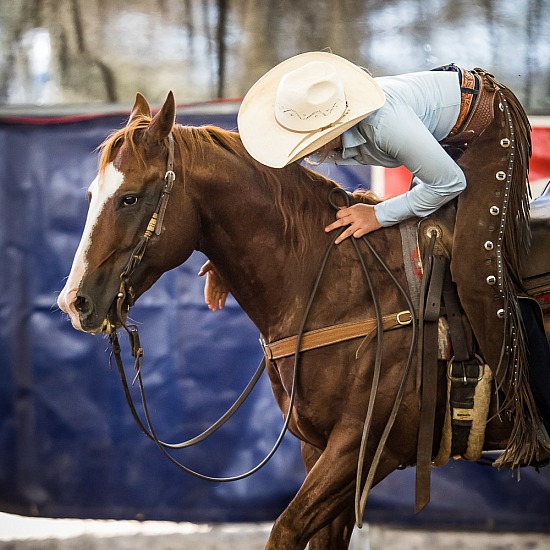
(437, 177)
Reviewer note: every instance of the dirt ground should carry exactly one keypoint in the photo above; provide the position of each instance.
(17, 533)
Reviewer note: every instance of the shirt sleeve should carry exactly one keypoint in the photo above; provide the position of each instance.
(437, 177)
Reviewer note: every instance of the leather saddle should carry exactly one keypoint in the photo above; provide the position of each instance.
(536, 264)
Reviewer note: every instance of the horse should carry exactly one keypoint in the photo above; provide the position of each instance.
(263, 230)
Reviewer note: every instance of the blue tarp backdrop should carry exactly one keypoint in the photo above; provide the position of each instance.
(68, 444)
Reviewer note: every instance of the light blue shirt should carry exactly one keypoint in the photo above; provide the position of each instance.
(420, 110)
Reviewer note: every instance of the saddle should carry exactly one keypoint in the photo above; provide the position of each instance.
(536, 264)
(443, 324)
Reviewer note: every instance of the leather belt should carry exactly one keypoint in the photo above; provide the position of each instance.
(333, 334)
(476, 107)
(469, 88)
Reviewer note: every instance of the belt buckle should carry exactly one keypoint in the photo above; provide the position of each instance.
(404, 322)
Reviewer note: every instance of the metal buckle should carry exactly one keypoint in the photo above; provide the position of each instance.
(267, 350)
(464, 379)
(403, 322)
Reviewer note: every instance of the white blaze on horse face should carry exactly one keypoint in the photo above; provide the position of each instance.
(101, 190)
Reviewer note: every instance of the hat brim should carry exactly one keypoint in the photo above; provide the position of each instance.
(272, 144)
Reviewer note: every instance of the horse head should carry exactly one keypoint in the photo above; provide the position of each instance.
(127, 191)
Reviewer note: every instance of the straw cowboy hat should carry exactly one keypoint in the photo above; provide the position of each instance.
(302, 104)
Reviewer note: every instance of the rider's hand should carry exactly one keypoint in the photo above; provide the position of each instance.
(360, 218)
(215, 289)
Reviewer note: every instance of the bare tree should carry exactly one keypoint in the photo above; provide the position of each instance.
(106, 51)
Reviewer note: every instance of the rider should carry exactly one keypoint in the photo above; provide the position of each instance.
(323, 107)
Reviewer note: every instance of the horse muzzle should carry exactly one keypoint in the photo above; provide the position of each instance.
(84, 316)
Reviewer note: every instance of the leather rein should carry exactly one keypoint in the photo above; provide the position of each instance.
(295, 345)
(126, 295)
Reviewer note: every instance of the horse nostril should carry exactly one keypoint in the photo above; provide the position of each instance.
(82, 305)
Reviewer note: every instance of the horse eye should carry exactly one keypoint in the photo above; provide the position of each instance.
(129, 200)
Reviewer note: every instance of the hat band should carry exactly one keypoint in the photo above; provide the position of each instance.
(294, 116)
(337, 121)
(313, 132)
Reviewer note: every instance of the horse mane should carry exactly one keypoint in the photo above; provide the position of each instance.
(303, 196)
(299, 192)
(136, 124)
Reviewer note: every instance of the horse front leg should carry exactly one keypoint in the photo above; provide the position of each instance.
(326, 494)
(337, 534)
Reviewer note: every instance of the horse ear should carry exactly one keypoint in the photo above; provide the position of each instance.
(141, 107)
(163, 121)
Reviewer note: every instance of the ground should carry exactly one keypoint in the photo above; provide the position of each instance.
(17, 533)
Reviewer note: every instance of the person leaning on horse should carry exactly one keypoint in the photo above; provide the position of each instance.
(321, 107)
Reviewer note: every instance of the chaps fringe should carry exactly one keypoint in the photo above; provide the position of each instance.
(523, 446)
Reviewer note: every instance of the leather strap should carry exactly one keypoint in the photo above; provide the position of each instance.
(469, 88)
(464, 371)
(462, 349)
(429, 381)
(334, 334)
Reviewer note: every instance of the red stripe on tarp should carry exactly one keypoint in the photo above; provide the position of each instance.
(539, 166)
(397, 180)
(64, 119)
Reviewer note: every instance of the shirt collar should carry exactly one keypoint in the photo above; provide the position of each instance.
(351, 139)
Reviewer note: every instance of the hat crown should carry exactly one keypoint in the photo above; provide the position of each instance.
(303, 103)
(310, 97)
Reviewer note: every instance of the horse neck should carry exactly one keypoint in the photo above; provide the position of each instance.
(265, 260)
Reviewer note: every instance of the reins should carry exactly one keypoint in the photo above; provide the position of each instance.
(126, 296)
(137, 351)
(362, 492)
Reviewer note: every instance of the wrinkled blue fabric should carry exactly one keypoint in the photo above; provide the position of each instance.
(68, 444)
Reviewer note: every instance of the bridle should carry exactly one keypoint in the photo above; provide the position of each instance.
(154, 227)
(126, 296)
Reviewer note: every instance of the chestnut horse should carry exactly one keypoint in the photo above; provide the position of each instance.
(263, 230)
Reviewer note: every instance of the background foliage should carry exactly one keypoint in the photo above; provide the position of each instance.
(81, 51)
